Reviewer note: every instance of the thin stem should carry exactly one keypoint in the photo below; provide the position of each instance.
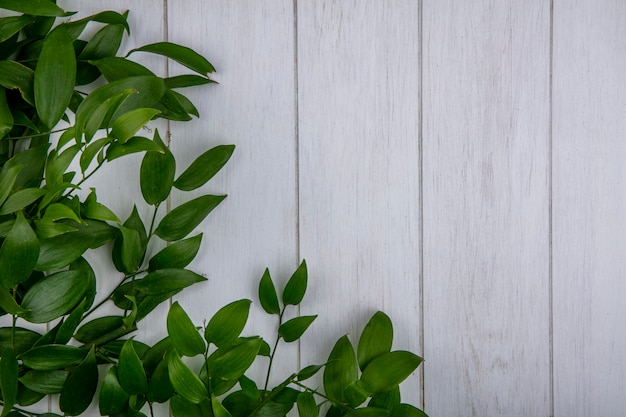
(108, 297)
(269, 367)
(156, 209)
(36, 135)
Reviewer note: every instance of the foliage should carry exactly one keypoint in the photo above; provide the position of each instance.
(68, 106)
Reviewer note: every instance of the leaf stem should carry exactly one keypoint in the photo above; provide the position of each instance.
(108, 297)
(36, 135)
(156, 209)
(273, 352)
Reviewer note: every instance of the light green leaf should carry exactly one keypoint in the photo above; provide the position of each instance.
(54, 296)
(98, 211)
(130, 249)
(55, 76)
(180, 54)
(100, 117)
(21, 199)
(177, 255)
(183, 333)
(129, 123)
(375, 340)
(296, 286)
(387, 399)
(90, 152)
(113, 399)
(227, 365)
(407, 410)
(58, 211)
(18, 254)
(114, 68)
(6, 117)
(291, 330)
(33, 7)
(204, 167)
(8, 380)
(132, 145)
(167, 280)
(218, 408)
(179, 222)
(306, 405)
(80, 387)
(131, 374)
(45, 382)
(157, 172)
(184, 380)
(76, 27)
(388, 370)
(341, 370)
(228, 323)
(49, 357)
(267, 294)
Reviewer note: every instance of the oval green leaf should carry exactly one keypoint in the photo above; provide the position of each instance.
(160, 388)
(227, 324)
(341, 370)
(204, 167)
(407, 410)
(226, 366)
(183, 333)
(18, 339)
(80, 387)
(376, 339)
(306, 405)
(112, 399)
(59, 251)
(45, 382)
(179, 222)
(218, 408)
(167, 280)
(14, 75)
(291, 330)
(133, 145)
(267, 294)
(97, 328)
(130, 122)
(388, 370)
(50, 357)
(55, 76)
(176, 255)
(296, 286)
(131, 374)
(33, 7)
(180, 54)
(8, 379)
(21, 199)
(184, 380)
(156, 174)
(18, 254)
(6, 117)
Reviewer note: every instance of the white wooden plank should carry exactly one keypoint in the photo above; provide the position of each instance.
(251, 44)
(589, 206)
(358, 66)
(486, 224)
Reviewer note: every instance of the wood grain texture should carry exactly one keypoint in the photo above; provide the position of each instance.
(486, 223)
(358, 67)
(251, 44)
(589, 205)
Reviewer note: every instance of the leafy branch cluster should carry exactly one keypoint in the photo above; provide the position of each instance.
(69, 105)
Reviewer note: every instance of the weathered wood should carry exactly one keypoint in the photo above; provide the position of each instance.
(589, 205)
(486, 223)
(358, 77)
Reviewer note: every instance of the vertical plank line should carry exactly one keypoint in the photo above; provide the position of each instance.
(420, 139)
(550, 215)
(297, 148)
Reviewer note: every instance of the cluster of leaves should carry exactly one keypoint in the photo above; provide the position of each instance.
(46, 228)
(363, 382)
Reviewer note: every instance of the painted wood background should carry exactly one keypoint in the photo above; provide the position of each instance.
(458, 164)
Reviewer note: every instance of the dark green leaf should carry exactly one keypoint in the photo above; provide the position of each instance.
(19, 339)
(157, 173)
(388, 370)
(160, 388)
(18, 254)
(306, 405)
(33, 7)
(130, 122)
(97, 328)
(309, 371)
(100, 117)
(26, 397)
(130, 249)
(296, 286)
(181, 407)
(341, 370)
(60, 251)
(8, 176)
(69, 325)
(80, 387)
(172, 108)
(355, 394)
(249, 387)
(11, 25)
(156, 353)
(8, 379)
(55, 76)
(14, 75)
(115, 68)
(180, 54)
(407, 410)
(102, 44)
(371, 412)
(183, 333)
(131, 374)
(50, 357)
(227, 365)
(21, 199)
(187, 80)
(185, 382)
(45, 382)
(76, 27)
(8, 303)
(375, 340)
(133, 145)
(54, 296)
(204, 167)
(167, 280)
(267, 294)
(388, 399)
(33, 161)
(291, 330)
(97, 211)
(227, 324)
(177, 255)
(6, 117)
(57, 165)
(113, 399)
(179, 222)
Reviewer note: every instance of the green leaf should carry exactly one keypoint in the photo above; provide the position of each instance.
(8, 303)
(33, 7)
(32, 160)
(21, 199)
(6, 117)
(388, 399)
(227, 365)
(76, 27)
(181, 407)
(69, 325)
(55, 76)
(102, 44)
(204, 167)
(130, 249)
(114, 68)
(371, 412)
(227, 324)
(60, 251)
(296, 286)
(100, 117)
(90, 152)
(187, 80)
(112, 399)
(8, 177)
(130, 122)
(249, 387)
(309, 371)
(80, 387)
(177, 255)
(407, 410)
(167, 280)
(179, 222)
(180, 54)
(388, 370)
(218, 408)
(57, 165)
(306, 405)
(160, 388)
(183, 333)
(355, 394)
(98, 211)
(341, 370)
(45, 382)
(14, 75)
(185, 382)
(54, 296)
(267, 294)
(58, 211)
(50, 357)
(375, 340)
(97, 328)
(131, 374)
(291, 330)
(8, 380)
(157, 172)
(18, 339)
(133, 145)
(18, 254)
(11, 25)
